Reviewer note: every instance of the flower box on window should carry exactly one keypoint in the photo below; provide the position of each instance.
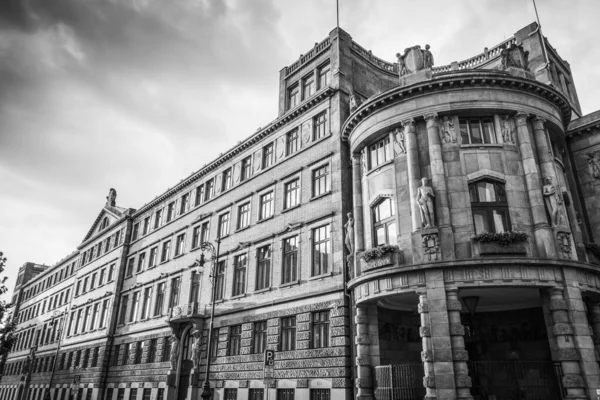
(380, 256)
(503, 243)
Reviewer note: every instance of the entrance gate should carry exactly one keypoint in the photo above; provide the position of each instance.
(399, 382)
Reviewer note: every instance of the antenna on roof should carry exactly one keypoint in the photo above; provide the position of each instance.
(540, 32)
(337, 12)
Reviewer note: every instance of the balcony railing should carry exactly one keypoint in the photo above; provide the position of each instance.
(186, 311)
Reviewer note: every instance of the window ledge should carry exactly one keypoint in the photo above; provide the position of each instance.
(239, 296)
(265, 219)
(260, 291)
(242, 229)
(296, 282)
(321, 276)
(320, 196)
(482, 145)
(378, 167)
(164, 262)
(291, 208)
(178, 256)
(195, 249)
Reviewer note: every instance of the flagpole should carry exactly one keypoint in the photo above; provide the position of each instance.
(337, 12)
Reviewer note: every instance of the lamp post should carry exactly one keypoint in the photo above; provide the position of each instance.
(214, 258)
(56, 314)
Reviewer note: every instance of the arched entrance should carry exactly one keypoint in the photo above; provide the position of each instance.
(186, 365)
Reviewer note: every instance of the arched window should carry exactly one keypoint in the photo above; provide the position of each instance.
(384, 223)
(489, 207)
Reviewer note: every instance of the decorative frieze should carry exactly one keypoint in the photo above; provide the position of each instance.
(573, 381)
(341, 383)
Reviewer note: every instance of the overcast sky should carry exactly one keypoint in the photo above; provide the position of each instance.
(137, 94)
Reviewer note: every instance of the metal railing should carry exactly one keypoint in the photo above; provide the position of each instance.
(399, 382)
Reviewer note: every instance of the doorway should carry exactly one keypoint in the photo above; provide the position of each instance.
(186, 365)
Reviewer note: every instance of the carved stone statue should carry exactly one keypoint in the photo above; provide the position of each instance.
(363, 159)
(401, 65)
(551, 200)
(197, 350)
(349, 239)
(448, 131)
(425, 198)
(427, 57)
(111, 198)
(594, 164)
(506, 129)
(174, 356)
(399, 145)
(514, 56)
(354, 102)
(26, 365)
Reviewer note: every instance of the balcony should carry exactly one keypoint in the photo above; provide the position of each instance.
(181, 313)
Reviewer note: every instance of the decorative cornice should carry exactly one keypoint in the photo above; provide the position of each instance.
(455, 80)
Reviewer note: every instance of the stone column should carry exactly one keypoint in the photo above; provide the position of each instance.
(438, 181)
(359, 238)
(567, 354)
(412, 165)
(543, 235)
(364, 379)
(593, 309)
(459, 353)
(427, 346)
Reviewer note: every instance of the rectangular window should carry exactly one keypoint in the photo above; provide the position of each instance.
(121, 394)
(146, 303)
(124, 301)
(170, 211)
(136, 231)
(235, 339)
(324, 76)
(133, 394)
(292, 140)
(290, 260)
(320, 329)
(243, 216)
(78, 322)
(146, 226)
(285, 394)
(259, 342)
(263, 268)
(477, 130)
(104, 314)
(148, 392)
(214, 343)
(209, 192)
(292, 194)
(130, 263)
(126, 353)
(166, 349)
(230, 394)
(166, 249)
(380, 152)
(320, 394)
(157, 218)
(308, 86)
(185, 202)
(293, 96)
(139, 350)
(199, 195)
(86, 318)
(153, 257)
(175, 287)
(220, 281)
(321, 238)
(86, 280)
(94, 316)
(102, 277)
(321, 181)
(246, 168)
(226, 182)
(152, 350)
(319, 129)
(92, 285)
(111, 273)
(223, 225)
(266, 206)
(78, 288)
(288, 334)
(109, 393)
(204, 232)
(195, 290)
(161, 394)
(134, 307)
(239, 274)
(160, 298)
(179, 242)
(256, 394)
(267, 155)
(141, 262)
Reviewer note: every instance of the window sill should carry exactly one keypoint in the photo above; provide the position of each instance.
(178, 256)
(261, 291)
(195, 249)
(482, 145)
(265, 219)
(291, 208)
(242, 229)
(320, 196)
(239, 296)
(296, 282)
(377, 168)
(317, 277)
(164, 262)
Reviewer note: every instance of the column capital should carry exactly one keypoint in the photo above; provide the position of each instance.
(521, 117)
(431, 116)
(409, 124)
(539, 123)
(355, 157)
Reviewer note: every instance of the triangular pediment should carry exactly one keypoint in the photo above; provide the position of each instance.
(105, 219)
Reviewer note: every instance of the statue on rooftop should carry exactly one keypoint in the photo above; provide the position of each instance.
(111, 199)
(427, 57)
(401, 65)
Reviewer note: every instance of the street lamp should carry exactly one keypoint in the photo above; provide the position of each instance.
(56, 314)
(214, 257)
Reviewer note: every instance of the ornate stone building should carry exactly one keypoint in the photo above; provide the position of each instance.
(401, 230)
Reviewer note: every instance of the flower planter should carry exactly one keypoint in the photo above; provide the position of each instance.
(383, 261)
(495, 249)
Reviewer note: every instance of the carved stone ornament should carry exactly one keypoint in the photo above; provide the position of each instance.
(243, 384)
(463, 381)
(355, 102)
(423, 308)
(257, 161)
(593, 160)
(431, 246)
(173, 357)
(427, 356)
(111, 199)
(363, 339)
(570, 354)
(562, 329)
(454, 305)
(363, 160)
(302, 383)
(506, 129)
(399, 143)
(363, 360)
(447, 130)
(460, 355)
(349, 237)
(414, 59)
(424, 331)
(514, 56)
(558, 304)
(429, 381)
(563, 240)
(573, 381)
(457, 330)
(364, 382)
(425, 199)
(361, 319)
(551, 200)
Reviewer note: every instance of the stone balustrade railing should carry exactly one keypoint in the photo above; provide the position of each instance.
(319, 48)
(476, 60)
(378, 62)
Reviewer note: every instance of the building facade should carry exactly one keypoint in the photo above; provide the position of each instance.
(401, 230)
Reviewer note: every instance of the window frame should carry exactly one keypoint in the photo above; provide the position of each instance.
(259, 340)
(268, 155)
(243, 217)
(322, 326)
(292, 142)
(240, 271)
(316, 178)
(323, 267)
(224, 224)
(246, 168)
(480, 122)
(226, 180)
(235, 340)
(320, 126)
(293, 96)
(263, 267)
(488, 207)
(289, 272)
(380, 149)
(288, 331)
(266, 205)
